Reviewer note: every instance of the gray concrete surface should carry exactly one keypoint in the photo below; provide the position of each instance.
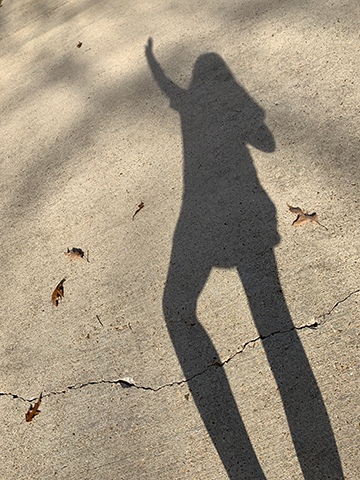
(86, 135)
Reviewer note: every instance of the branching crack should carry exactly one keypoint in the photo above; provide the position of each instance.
(128, 383)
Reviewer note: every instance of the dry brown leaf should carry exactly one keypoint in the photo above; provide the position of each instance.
(139, 208)
(79, 44)
(33, 410)
(303, 217)
(58, 293)
(218, 364)
(75, 253)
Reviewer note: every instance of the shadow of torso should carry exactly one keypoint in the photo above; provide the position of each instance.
(224, 206)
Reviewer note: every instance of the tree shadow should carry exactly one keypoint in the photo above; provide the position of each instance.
(227, 220)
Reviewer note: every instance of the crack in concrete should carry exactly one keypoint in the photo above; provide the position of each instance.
(126, 383)
(324, 315)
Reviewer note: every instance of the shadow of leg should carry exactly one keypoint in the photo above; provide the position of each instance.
(305, 410)
(211, 391)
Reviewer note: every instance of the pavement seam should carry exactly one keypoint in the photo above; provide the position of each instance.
(318, 321)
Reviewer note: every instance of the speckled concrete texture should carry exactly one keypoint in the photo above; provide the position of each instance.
(204, 337)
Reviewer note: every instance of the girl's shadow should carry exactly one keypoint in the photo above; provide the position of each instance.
(227, 220)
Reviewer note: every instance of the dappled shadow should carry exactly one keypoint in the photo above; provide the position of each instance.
(41, 16)
(51, 152)
(228, 220)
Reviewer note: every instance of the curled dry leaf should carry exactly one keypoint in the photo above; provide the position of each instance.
(303, 217)
(127, 382)
(58, 293)
(33, 410)
(74, 253)
(140, 206)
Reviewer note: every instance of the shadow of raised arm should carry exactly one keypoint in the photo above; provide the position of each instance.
(173, 91)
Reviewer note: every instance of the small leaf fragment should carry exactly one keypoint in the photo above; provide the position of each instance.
(33, 410)
(58, 293)
(75, 253)
(218, 364)
(303, 217)
(140, 206)
(127, 382)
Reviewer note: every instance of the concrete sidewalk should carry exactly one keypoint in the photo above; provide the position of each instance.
(180, 349)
